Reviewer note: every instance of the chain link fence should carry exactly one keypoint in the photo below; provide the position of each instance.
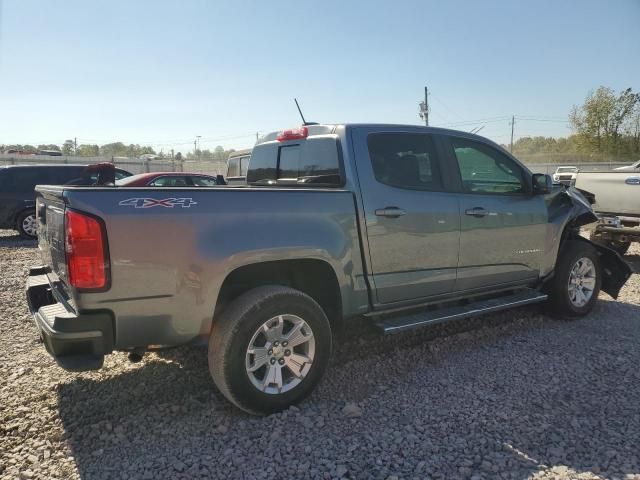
(536, 163)
(133, 165)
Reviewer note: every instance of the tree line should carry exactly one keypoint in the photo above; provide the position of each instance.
(118, 149)
(607, 124)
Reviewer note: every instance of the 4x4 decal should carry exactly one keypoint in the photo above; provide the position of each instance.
(154, 202)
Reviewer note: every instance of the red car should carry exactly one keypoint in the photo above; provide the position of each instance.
(168, 179)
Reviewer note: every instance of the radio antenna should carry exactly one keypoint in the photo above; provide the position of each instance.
(304, 122)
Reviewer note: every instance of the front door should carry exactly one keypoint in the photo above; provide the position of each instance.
(502, 224)
(412, 222)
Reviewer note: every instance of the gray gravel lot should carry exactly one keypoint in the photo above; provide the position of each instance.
(512, 395)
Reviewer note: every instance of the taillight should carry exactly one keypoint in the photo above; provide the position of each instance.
(87, 263)
(293, 134)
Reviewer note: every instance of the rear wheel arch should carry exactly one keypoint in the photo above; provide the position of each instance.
(314, 277)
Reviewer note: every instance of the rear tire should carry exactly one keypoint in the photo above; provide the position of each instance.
(26, 224)
(250, 358)
(574, 288)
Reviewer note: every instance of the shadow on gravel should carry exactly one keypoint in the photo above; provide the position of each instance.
(165, 417)
(634, 261)
(12, 239)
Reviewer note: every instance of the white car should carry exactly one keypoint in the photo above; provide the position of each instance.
(565, 175)
(633, 166)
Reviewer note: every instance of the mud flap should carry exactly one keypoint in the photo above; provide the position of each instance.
(615, 271)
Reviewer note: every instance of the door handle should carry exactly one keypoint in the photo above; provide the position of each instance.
(476, 212)
(390, 212)
(632, 181)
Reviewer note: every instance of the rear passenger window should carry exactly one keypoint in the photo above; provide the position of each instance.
(405, 160)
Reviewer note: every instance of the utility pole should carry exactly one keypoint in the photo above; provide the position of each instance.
(198, 139)
(424, 107)
(195, 148)
(513, 121)
(257, 137)
(75, 145)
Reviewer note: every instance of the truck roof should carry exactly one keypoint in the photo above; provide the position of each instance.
(324, 129)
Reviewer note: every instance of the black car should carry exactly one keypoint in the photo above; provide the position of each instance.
(17, 197)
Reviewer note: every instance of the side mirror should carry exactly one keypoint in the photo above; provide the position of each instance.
(542, 184)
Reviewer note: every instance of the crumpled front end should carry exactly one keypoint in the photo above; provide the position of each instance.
(568, 210)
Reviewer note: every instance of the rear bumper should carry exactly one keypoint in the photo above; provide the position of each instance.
(77, 342)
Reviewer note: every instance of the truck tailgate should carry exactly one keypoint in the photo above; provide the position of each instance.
(50, 207)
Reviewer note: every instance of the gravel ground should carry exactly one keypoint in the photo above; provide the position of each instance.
(511, 395)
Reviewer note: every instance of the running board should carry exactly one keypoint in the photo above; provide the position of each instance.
(515, 299)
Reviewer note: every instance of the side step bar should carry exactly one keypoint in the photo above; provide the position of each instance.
(514, 299)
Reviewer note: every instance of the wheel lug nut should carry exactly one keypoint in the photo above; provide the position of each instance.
(287, 352)
(273, 360)
(270, 351)
(281, 361)
(284, 344)
(275, 344)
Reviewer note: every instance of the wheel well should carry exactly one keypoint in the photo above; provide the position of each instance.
(316, 278)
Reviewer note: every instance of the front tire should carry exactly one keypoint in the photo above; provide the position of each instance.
(574, 289)
(269, 349)
(26, 224)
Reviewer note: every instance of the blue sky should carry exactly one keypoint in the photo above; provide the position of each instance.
(162, 72)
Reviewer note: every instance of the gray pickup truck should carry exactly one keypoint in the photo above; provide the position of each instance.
(404, 225)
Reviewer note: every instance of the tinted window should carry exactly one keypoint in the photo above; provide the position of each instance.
(203, 181)
(289, 162)
(483, 169)
(60, 176)
(264, 160)
(314, 160)
(171, 181)
(25, 179)
(405, 160)
(233, 170)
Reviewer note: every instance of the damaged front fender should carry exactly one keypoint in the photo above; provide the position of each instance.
(615, 271)
(568, 210)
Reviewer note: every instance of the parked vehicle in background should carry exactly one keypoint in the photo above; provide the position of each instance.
(635, 166)
(50, 153)
(237, 165)
(17, 195)
(168, 179)
(336, 221)
(565, 175)
(617, 204)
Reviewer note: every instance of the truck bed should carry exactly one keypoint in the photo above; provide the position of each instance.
(171, 248)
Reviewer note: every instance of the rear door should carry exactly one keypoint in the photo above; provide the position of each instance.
(503, 225)
(412, 221)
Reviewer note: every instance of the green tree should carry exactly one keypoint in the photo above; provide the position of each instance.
(599, 121)
(116, 149)
(88, 150)
(68, 147)
(51, 146)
